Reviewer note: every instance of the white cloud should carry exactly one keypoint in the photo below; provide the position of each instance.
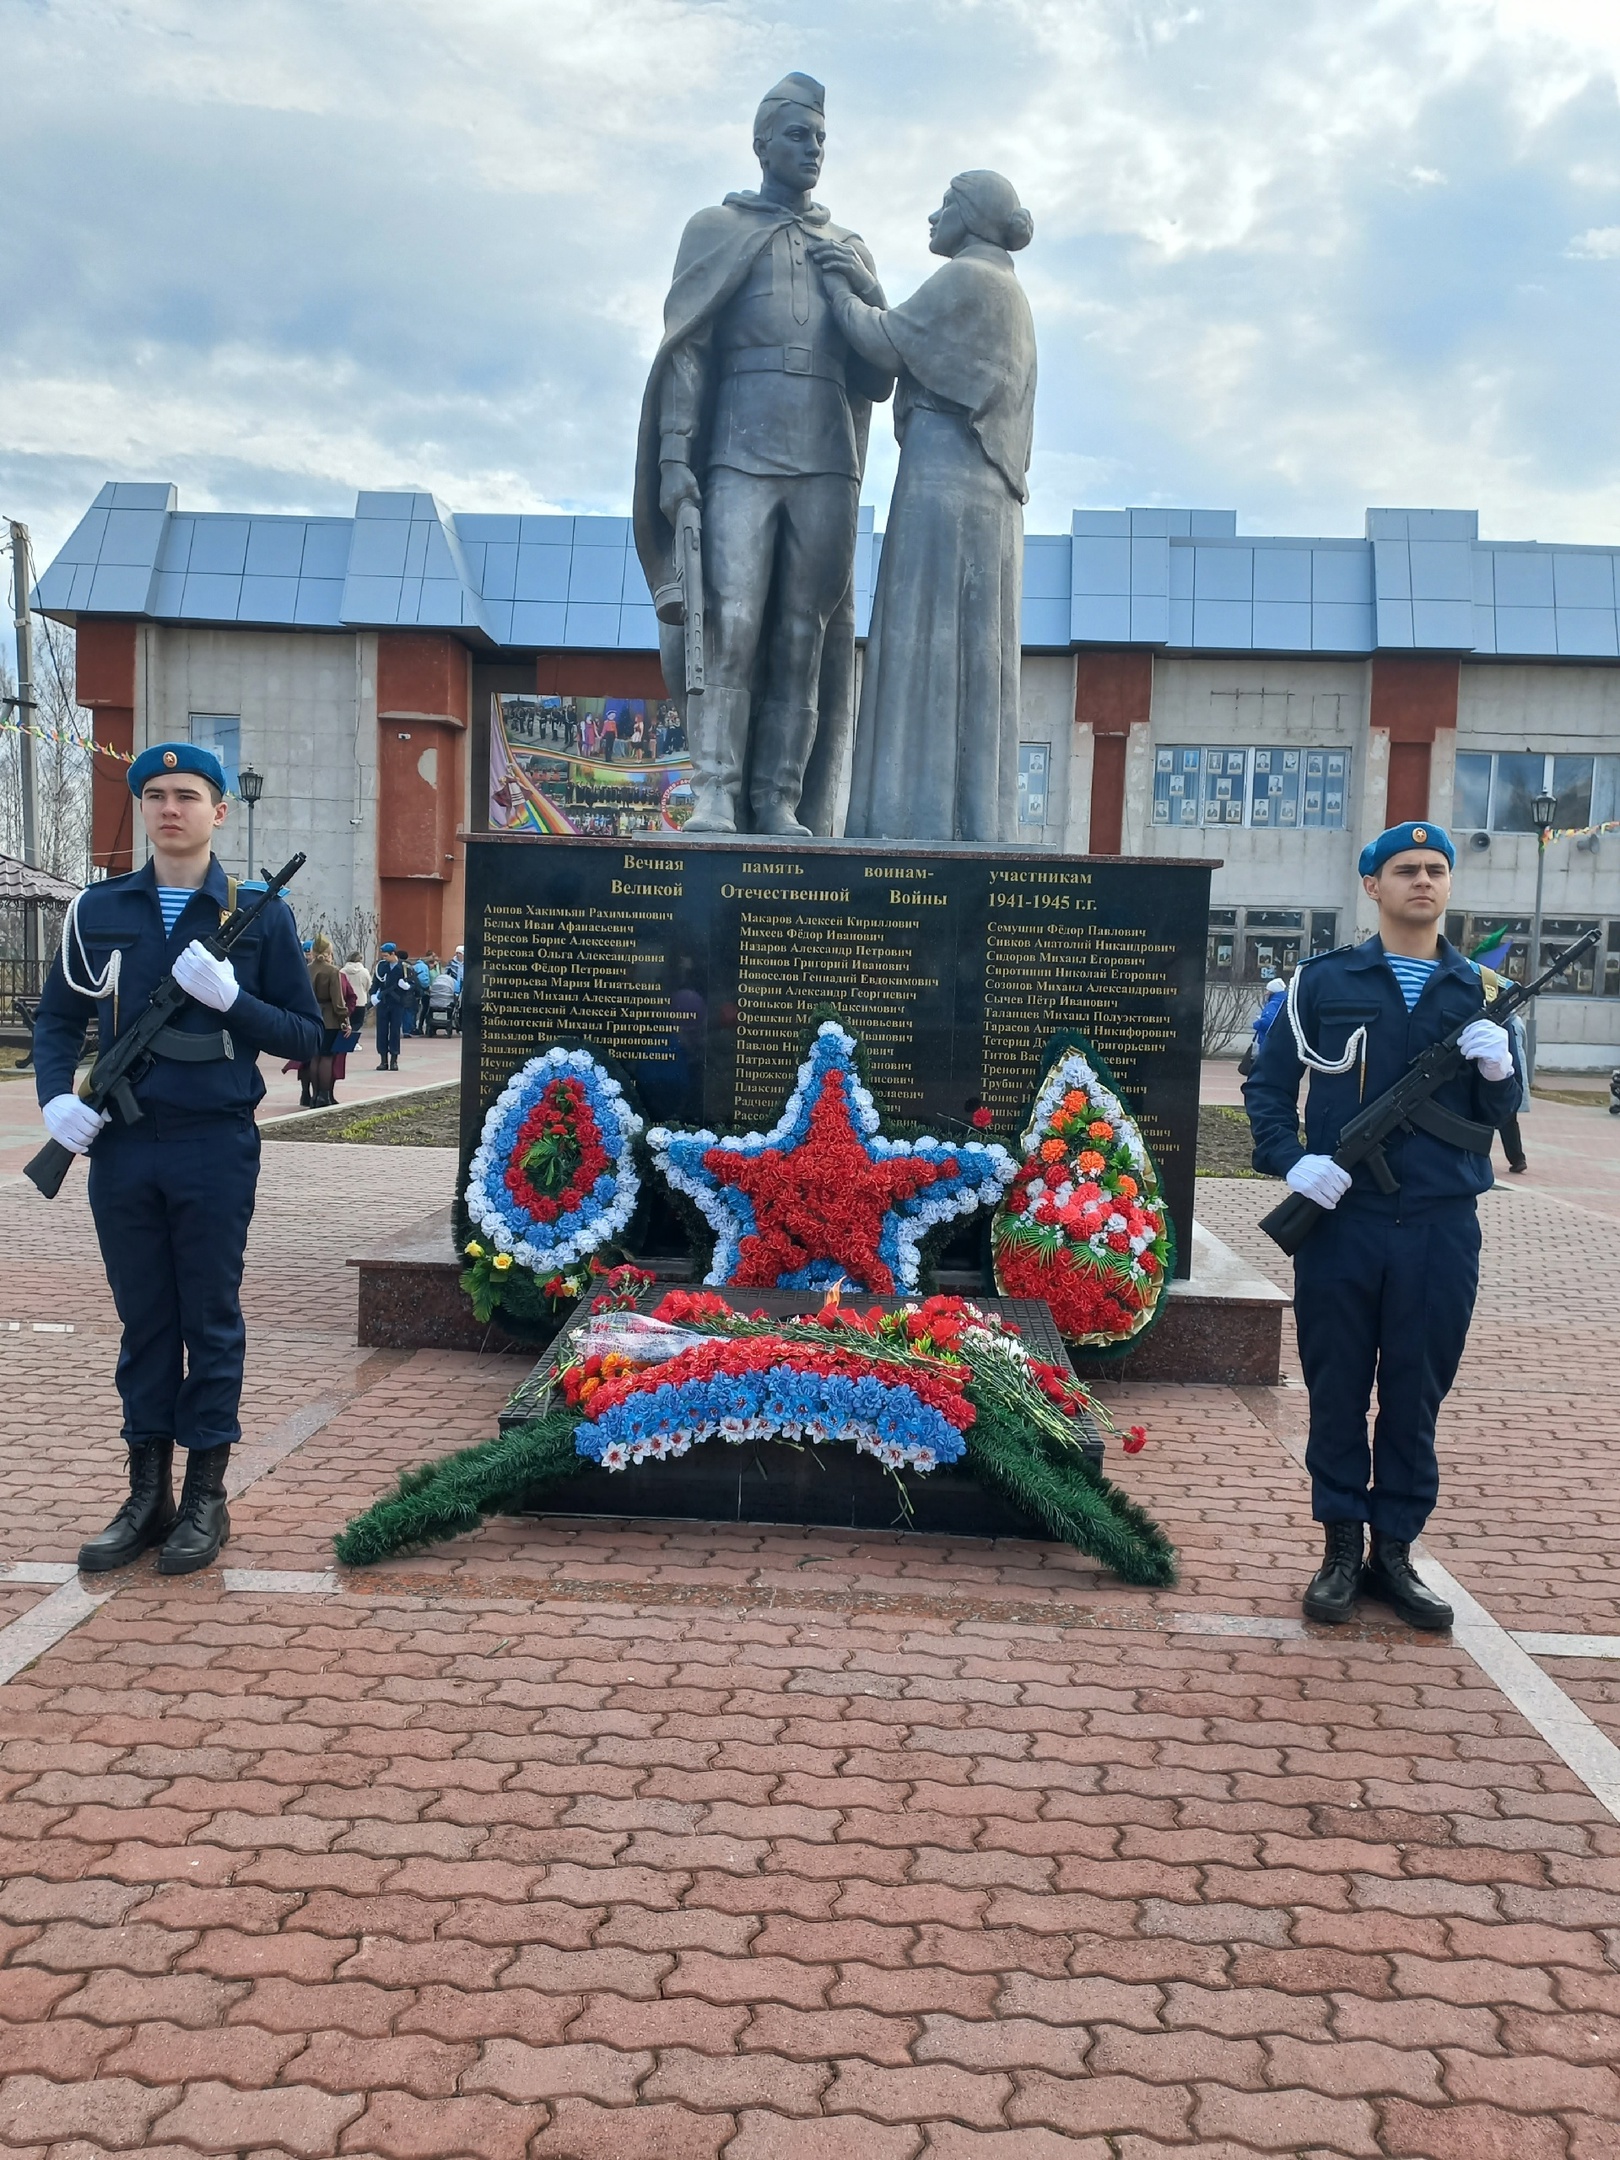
(1291, 258)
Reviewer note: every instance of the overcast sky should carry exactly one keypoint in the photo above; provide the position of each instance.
(1291, 257)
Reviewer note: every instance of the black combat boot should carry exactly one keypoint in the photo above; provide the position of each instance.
(202, 1525)
(1331, 1597)
(1390, 1577)
(145, 1518)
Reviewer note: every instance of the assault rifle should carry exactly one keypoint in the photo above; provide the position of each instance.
(130, 1058)
(681, 600)
(1409, 1106)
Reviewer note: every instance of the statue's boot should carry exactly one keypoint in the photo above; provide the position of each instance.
(717, 727)
(783, 740)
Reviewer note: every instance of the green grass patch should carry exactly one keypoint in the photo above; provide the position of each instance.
(431, 1119)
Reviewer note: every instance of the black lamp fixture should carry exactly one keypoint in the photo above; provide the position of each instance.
(250, 786)
(1544, 809)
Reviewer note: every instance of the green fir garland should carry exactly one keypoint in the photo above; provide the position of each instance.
(1018, 1443)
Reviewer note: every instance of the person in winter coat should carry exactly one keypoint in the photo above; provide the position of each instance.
(326, 980)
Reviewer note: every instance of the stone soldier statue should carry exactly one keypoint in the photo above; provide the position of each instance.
(757, 410)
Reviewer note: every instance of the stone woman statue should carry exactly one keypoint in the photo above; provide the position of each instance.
(936, 744)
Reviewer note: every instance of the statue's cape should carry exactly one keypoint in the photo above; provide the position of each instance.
(718, 249)
(967, 336)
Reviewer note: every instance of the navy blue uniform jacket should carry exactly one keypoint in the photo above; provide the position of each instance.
(1338, 993)
(276, 1010)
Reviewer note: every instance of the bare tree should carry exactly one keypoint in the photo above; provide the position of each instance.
(1228, 1007)
(62, 751)
(10, 766)
(62, 758)
(356, 932)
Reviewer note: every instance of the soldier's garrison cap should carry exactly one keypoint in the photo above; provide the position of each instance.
(791, 90)
(175, 757)
(1418, 833)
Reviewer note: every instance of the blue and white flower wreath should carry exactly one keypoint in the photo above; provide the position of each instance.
(605, 1212)
(884, 1419)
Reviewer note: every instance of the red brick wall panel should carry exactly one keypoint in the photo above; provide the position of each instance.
(1107, 795)
(112, 807)
(422, 672)
(104, 664)
(599, 675)
(1113, 691)
(1413, 698)
(1408, 792)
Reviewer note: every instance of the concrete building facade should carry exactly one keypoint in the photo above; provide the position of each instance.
(1187, 690)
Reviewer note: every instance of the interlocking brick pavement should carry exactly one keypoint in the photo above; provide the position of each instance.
(591, 1838)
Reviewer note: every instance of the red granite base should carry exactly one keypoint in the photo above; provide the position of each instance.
(1222, 1327)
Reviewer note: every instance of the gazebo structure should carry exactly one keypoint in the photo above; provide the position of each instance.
(32, 904)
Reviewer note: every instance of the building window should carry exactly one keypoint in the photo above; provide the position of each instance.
(1261, 787)
(1495, 791)
(221, 733)
(1598, 975)
(1254, 944)
(1222, 944)
(1034, 759)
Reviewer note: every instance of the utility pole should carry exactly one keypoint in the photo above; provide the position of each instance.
(1544, 809)
(26, 709)
(26, 706)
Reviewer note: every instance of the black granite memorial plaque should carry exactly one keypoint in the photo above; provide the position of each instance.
(700, 965)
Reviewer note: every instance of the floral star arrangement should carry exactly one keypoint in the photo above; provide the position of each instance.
(825, 1197)
(552, 1183)
(1085, 1225)
(931, 1383)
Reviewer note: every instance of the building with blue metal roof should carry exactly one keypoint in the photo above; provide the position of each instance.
(1187, 689)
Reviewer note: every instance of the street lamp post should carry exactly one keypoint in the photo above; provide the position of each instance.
(1544, 809)
(250, 786)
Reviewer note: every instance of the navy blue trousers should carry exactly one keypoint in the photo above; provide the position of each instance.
(1379, 1299)
(388, 1030)
(172, 1198)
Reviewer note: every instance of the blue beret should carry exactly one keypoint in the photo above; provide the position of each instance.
(388, 946)
(1399, 839)
(175, 757)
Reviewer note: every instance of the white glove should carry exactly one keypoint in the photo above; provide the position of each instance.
(377, 999)
(1320, 1179)
(72, 1123)
(1489, 1047)
(211, 982)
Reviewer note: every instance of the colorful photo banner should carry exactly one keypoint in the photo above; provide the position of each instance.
(603, 766)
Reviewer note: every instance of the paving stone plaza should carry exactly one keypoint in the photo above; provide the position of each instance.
(666, 1842)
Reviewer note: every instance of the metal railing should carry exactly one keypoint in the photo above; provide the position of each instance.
(21, 979)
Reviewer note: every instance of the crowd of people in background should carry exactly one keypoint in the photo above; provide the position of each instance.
(622, 731)
(400, 992)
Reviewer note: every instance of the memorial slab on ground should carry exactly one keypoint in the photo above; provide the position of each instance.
(581, 1838)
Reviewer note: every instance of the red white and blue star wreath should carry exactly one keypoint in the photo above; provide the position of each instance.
(824, 1197)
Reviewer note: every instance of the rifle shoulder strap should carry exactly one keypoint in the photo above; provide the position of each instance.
(229, 909)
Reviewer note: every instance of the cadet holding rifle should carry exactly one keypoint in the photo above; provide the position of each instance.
(1384, 1282)
(172, 1189)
